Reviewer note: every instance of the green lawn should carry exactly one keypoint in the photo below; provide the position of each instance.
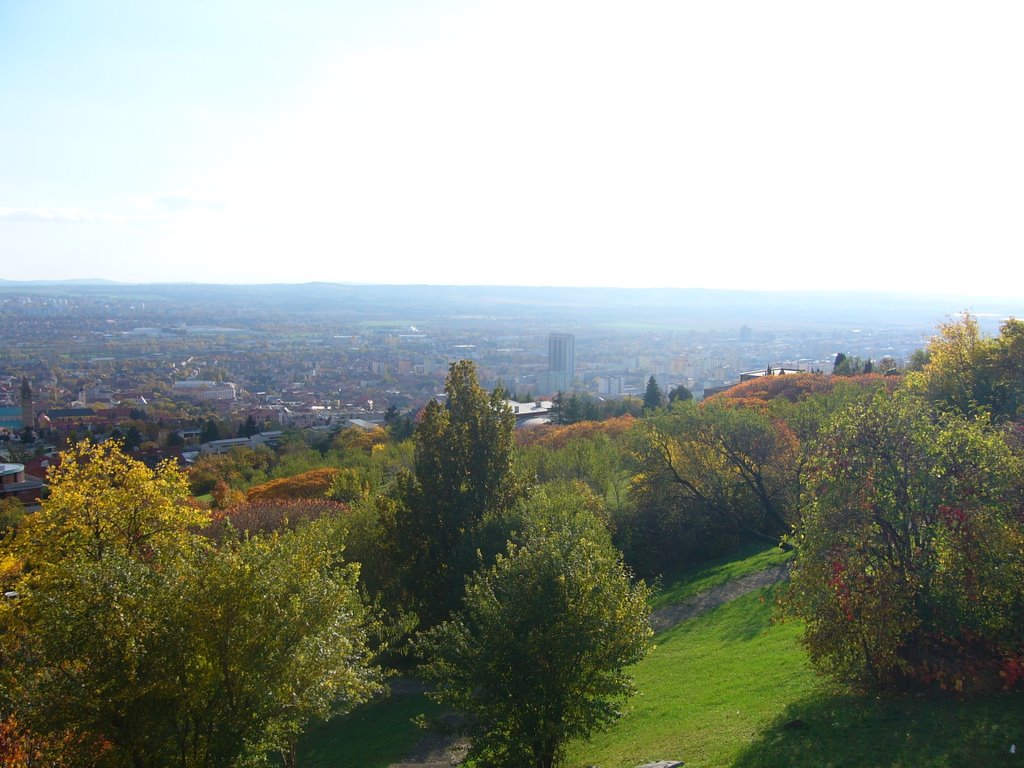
(717, 690)
(756, 557)
(707, 689)
(373, 736)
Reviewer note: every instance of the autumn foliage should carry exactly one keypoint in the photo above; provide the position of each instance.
(554, 436)
(911, 550)
(799, 386)
(21, 748)
(266, 515)
(307, 485)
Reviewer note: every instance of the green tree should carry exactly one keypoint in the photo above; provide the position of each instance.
(132, 630)
(596, 460)
(462, 471)
(133, 438)
(399, 426)
(850, 366)
(537, 655)
(737, 464)
(968, 373)
(653, 397)
(274, 635)
(12, 512)
(680, 393)
(238, 468)
(211, 431)
(248, 428)
(909, 551)
(348, 486)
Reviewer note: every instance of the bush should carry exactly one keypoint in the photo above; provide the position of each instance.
(307, 485)
(537, 655)
(910, 553)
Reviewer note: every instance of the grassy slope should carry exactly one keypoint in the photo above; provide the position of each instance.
(716, 690)
(707, 689)
(677, 587)
(373, 736)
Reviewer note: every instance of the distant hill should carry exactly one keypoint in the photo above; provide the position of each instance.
(629, 308)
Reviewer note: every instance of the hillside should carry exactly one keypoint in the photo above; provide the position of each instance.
(730, 687)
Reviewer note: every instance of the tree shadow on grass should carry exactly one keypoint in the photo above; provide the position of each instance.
(913, 731)
(373, 736)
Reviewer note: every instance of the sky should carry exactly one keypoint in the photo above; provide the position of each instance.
(693, 143)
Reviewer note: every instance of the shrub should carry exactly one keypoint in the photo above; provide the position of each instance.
(909, 554)
(307, 485)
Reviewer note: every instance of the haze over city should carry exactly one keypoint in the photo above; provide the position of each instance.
(783, 146)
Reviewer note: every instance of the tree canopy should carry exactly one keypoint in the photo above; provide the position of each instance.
(910, 552)
(537, 656)
(153, 645)
(653, 397)
(968, 373)
(463, 470)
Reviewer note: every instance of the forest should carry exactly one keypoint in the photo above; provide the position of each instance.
(211, 618)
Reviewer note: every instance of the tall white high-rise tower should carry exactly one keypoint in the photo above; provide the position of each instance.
(561, 361)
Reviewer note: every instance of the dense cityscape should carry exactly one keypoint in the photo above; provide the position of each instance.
(162, 360)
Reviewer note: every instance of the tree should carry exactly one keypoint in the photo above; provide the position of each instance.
(354, 440)
(400, 426)
(968, 373)
(680, 393)
(305, 485)
(348, 486)
(88, 608)
(133, 438)
(237, 468)
(462, 471)
(273, 635)
(102, 501)
(136, 634)
(737, 464)
(653, 397)
(910, 551)
(248, 428)
(574, 408)
(211, 431)
(850, 366)
(12, 512)
(537, 655)
(594, 459)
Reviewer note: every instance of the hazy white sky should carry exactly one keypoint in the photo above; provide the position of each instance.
(710, 143)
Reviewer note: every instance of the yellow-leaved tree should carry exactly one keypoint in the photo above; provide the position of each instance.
(102, 500)
(142, 642)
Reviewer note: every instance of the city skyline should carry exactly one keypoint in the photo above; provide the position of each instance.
(785, 147)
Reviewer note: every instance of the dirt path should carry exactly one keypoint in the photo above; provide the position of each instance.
(670, 615)
(441, 751)
(433, 750)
